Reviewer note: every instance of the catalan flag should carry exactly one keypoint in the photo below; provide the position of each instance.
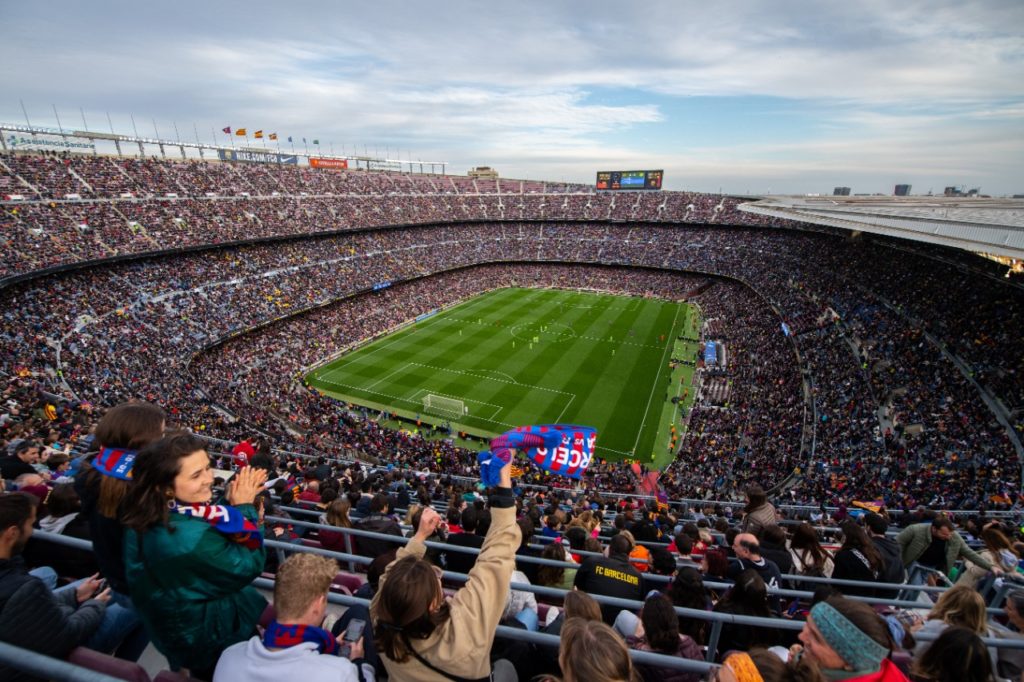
(272, 136)
(258, 134)
(240, 132)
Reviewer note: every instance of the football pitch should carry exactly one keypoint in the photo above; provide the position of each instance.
(515, 356)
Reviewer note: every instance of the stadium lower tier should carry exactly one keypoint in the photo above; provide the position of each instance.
(845, 379)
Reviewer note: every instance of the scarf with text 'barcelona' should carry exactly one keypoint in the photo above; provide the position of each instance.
(564, 449)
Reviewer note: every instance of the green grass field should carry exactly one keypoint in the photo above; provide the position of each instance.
(534, 356)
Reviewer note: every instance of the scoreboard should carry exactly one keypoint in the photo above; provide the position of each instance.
(638, 179)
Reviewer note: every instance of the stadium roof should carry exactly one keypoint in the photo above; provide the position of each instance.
(981, 225)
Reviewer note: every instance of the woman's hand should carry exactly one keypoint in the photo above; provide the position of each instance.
(246, 485)
(429, 521)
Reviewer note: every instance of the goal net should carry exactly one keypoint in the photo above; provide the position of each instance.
(446, 407)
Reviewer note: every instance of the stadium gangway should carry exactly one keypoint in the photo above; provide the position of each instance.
(716, 619)
(48, 668)
(791, 577)
(778, 591)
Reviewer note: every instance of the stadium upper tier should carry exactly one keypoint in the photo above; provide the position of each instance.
(900, 373)
(84, 208)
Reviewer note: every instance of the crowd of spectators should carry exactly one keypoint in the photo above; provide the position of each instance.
(868, 325)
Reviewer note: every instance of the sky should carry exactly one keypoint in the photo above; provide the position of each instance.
(742, 96)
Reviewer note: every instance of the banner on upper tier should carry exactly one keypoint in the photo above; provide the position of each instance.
(339, 164)
(256, 157)
(40, 142)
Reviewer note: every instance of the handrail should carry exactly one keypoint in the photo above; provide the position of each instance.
(652, 577)
(715, 618)
(47, 667)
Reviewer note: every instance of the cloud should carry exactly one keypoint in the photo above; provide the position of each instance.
(540, 87)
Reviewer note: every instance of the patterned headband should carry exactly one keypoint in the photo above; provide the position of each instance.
(856, 649)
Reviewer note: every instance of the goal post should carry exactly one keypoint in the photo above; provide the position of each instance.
(443, 406)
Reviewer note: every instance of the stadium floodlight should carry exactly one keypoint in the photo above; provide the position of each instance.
(443, 406)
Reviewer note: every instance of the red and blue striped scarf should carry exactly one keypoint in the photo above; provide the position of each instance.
(278, 636)
(226, 520)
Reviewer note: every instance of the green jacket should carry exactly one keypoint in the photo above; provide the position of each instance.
(914, 541)
(191, 585)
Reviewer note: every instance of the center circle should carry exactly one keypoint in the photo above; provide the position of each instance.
(542, 331)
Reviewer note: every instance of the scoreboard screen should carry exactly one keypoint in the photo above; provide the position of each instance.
(641, 179)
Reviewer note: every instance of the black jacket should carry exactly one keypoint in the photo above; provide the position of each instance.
(377, 523)
(460, 562)
(107, 534)
(33, 617)
(611, 576)
(892, 558)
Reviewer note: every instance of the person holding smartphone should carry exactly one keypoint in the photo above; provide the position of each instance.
(294, 645)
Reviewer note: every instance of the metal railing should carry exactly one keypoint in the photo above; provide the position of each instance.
(35, 663)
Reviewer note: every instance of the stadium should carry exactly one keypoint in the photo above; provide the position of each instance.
(272, 409)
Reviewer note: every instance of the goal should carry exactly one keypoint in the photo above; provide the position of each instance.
(446, 407)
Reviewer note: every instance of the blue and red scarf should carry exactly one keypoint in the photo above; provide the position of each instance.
(115, 462)
(278, 636)
(226, 520)
(564, 449)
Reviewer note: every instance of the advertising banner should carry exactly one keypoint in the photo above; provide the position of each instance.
(256, 157)
(339, 164)
(40, 142)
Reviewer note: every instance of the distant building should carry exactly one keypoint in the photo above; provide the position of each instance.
(953, 192)
(483, 173)
(902, 191)
(841, 192)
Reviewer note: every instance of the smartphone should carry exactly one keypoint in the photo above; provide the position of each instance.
(352, 634)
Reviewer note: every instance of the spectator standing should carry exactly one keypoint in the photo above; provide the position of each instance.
(417, 631)
(937, 545)
(759, 512)
(190, 564)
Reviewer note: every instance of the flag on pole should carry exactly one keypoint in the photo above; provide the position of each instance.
(258, 134)
(289, 138)
(316, 141)
(227, 130)
(273, 136)
(240, 132)
(303, 140)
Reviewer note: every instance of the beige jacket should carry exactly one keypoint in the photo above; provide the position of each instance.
(761, 517)
(462, 646)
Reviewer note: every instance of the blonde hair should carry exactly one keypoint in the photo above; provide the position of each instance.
(961, 605)
(300, 580)
(411, 512)
(590, 651)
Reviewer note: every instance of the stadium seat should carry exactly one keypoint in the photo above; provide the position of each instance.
(108, 665)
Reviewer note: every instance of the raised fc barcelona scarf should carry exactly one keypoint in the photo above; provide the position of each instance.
(564, 449)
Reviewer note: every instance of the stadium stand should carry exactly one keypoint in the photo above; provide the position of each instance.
(191, 285)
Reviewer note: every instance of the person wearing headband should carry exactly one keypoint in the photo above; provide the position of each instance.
(848, 641)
